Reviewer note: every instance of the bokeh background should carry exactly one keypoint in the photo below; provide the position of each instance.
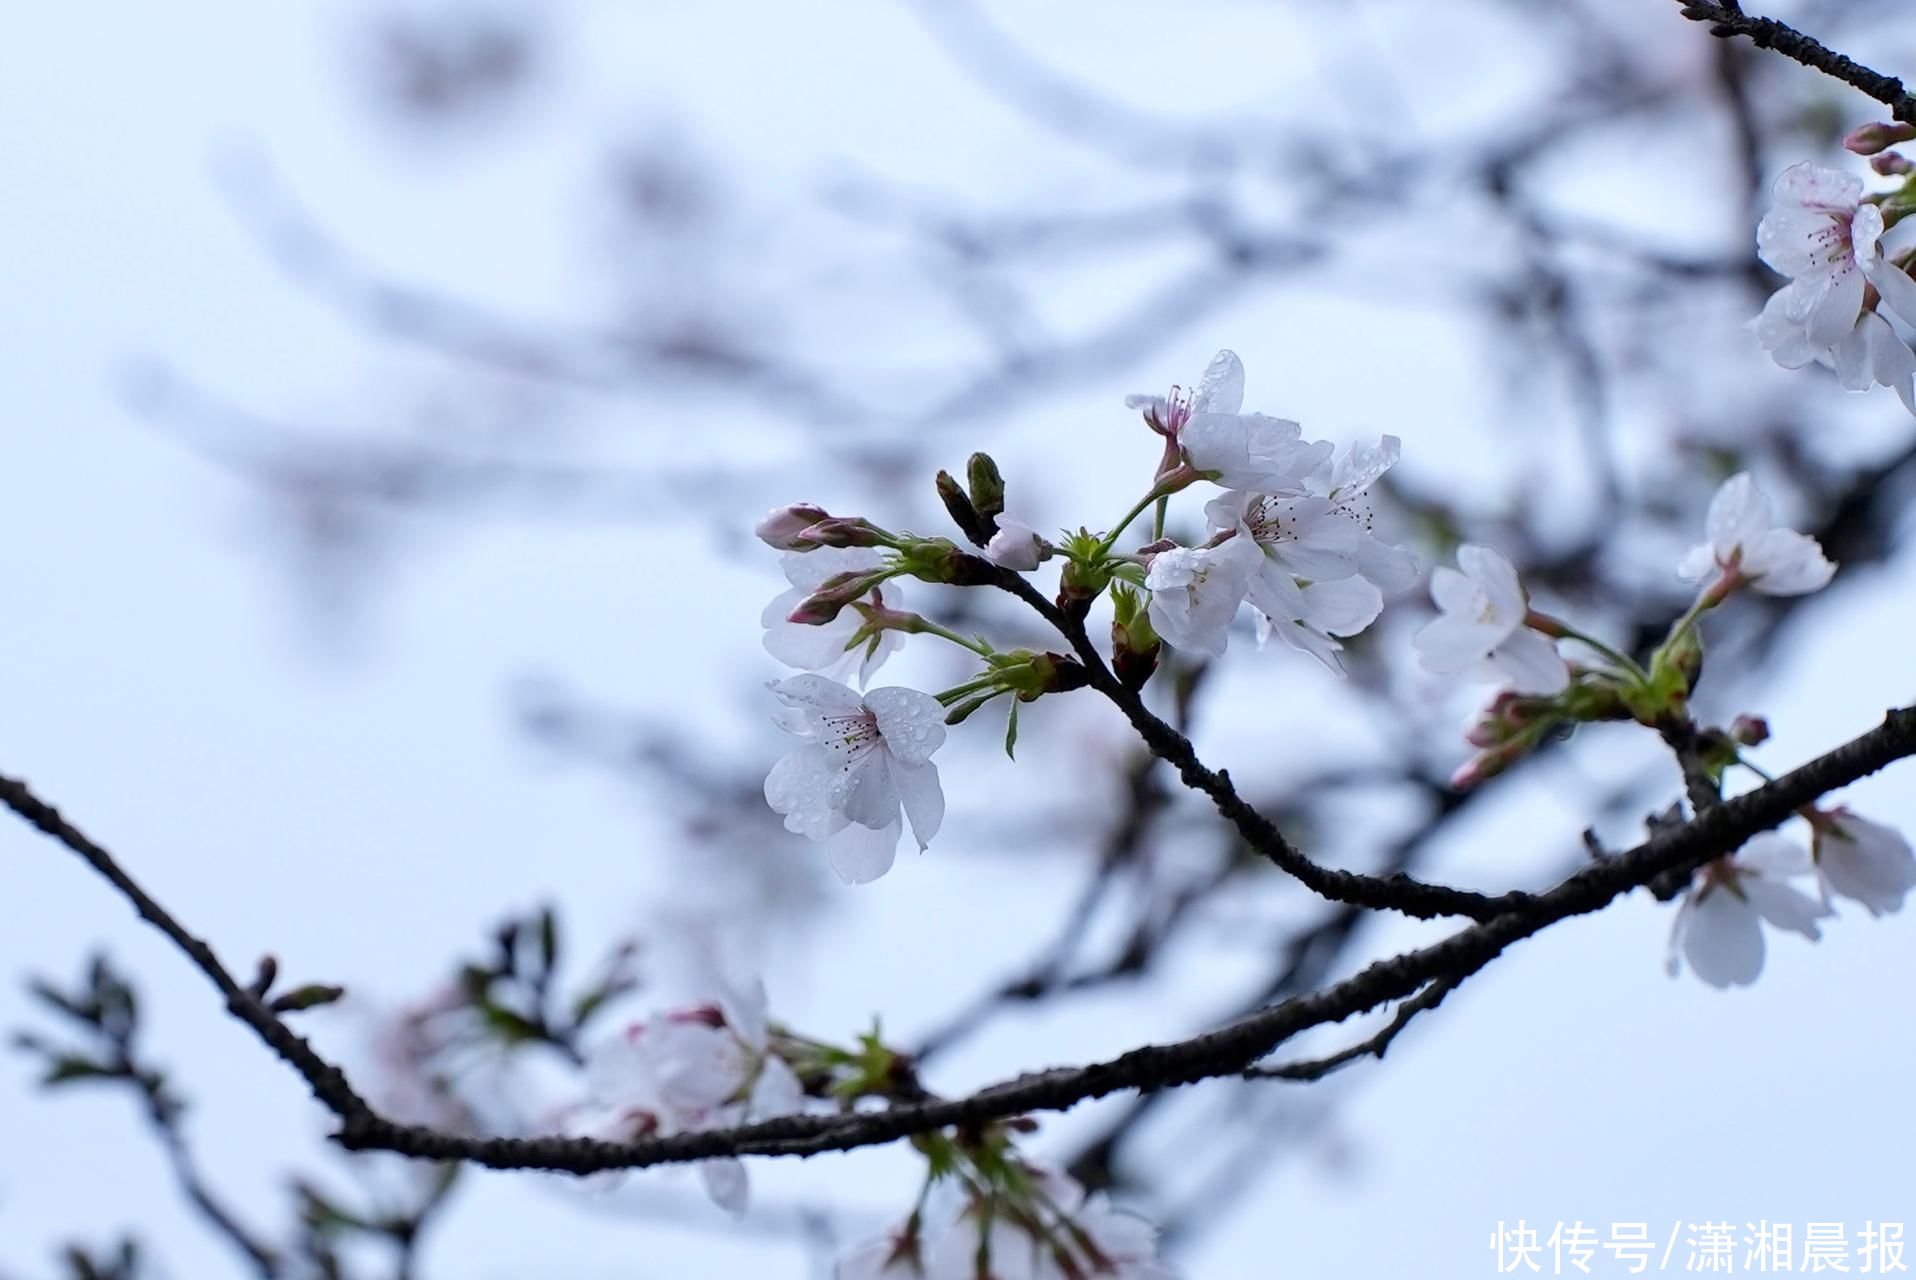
(390, 389)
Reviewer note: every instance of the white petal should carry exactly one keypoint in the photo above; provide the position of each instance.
(1452, 643)
(1457, 593)
(1361, 466)
(1835, 312)
(1723, 939)
(1784, 906)
(924, 800)
(743, 1006)
(1221, 389)
(912, 723)
(777, 1091)
(726, 1183)
(872, 800)
(1769, 854)
(797, 644)
(816, 693)
(1529, 659)
(1851, 357)
(1783, 562)
(1699, 563)
(808, 570)
(1391, 567)
(1781, 333)
(1739, 511)
(808, 786)
(1226, 511)
(1344, 607)
(1498, 577)
(860, 855)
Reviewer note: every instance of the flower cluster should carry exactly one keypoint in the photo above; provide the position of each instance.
(708, 1066)
(1292, 534)
(1719, 927)
(1825, 235)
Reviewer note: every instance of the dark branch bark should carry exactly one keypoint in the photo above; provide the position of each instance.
(1728, 20)
(1228, 1050)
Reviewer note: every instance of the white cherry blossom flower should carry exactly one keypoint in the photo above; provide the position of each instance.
(1219, 390)
(1719, 927)
(822, 647)
(704, 1067)
(1862, 860)
(861, 761)
(1744, 541)
(1306, 617)
(1480, 631)
(1822, 234)
(1075, 1238)
(1195, 592)
(1016, 546)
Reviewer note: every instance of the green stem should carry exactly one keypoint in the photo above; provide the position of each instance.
(1623, 661)
(1157, 525)
(974, 643)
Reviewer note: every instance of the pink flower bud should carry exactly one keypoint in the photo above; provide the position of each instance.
(782, 525)
(1869, 139)
(1892, 164)
(839, 531)
(1749, 731)
(837, 591)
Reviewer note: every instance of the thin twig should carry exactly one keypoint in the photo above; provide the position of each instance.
(1728, 20)
(1317, 1068)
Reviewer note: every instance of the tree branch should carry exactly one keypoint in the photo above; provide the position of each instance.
(1727, 20)
(1228, 1050)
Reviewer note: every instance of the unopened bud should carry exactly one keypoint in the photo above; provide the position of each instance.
(1892, 164)
(987, 486)
(1749, 731)
(1016, 547)
(837, 591)
(782, 525)
(1871, 138)
(975, 527)
(840, 531)
(307, 997)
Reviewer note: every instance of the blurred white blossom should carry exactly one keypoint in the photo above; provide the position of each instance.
(822, 647)
(1480, 631)
(1744, 540)
(1862, 860)
(1719, 927)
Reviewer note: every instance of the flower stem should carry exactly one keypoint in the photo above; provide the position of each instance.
(1559, 629)
(976, 644)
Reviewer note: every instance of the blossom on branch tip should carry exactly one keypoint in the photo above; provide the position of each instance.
(826, 647)
(1480, 629)
(1747, 548)
(1195, 592)
(1719, 927)
(1822, 234)
(1862, 860)
(862, 761)
(1205, 431)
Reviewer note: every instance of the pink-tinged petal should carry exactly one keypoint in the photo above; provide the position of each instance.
(923, 798)
(860, 855)
(912, 723)
(1498, 577)
(1787, 239)
(1834, 312)
(1221, 389)
(727, 1184)
(1739, 511)
(1723, 939)
(1343, 607)
(1812, 186)
(1530, 661)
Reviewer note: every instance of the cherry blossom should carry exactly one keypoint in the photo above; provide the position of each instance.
(1240, 450)
(1719, 927)
(1195, 592)
(1749, 550)
(1307, 616)
(822, 647)
(1480, 631)
(1822, 234)
(703, 1067)
(860, 762)
(1053, 1233)
(1862, 860)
